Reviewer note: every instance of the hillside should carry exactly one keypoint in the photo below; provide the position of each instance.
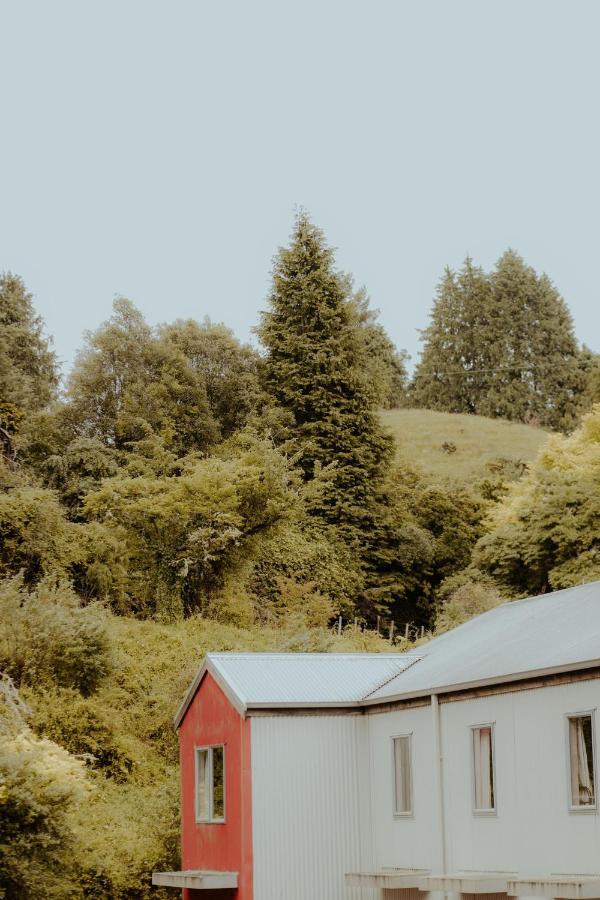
(421, 433)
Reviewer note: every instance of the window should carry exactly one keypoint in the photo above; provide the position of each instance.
(483, 769)
(581, 757)
(402, 775)
(210, 784)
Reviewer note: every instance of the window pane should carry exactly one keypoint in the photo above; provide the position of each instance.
(483, 755)
(402, 775)
(582, 761)
(218, 767)
(202, 785)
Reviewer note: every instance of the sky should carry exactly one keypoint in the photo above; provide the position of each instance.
(158, 150)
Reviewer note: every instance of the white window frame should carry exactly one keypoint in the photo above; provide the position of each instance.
(587, 808)
(492, 811)
(211, 819)
(409, 814)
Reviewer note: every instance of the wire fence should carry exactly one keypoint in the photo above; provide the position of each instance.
(393, 631)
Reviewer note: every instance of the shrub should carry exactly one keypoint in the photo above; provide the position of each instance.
(463, 602)
(47, 636)
(40, 783)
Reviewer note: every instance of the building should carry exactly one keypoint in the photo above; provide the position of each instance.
(468, 766)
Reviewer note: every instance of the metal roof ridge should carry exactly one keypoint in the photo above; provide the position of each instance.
(413, 659)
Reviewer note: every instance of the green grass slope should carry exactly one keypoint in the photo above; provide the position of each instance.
(421, 433)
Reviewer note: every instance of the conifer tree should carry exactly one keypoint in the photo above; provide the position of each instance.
(28, 371)
(449, 374)
(501, 345)
(315, 369)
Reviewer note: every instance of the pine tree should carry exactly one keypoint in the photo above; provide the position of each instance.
(501, 345)
(28, 370)
(315, 369)
(449, 374)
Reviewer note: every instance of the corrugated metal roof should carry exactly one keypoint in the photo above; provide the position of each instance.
(550, 633)
(300, 679)
(554, 631)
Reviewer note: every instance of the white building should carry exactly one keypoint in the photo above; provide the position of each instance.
(468, 766)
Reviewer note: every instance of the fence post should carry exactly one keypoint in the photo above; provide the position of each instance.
(392, 633)
(340, 625)
(406, 631)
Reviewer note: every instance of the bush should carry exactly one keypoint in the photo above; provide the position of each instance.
(543, 535)
(85, 727)
(40, 783)
(47, 636)
(465, 601)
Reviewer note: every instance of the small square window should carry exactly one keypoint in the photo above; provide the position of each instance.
(483, 769)
(210, 784)
(402, 775)
(582, 763)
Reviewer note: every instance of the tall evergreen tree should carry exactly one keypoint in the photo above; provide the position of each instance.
(449, 374)
(501, 345)
(315, 368)
(28, 370)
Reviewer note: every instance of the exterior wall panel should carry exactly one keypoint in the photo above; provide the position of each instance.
(310, 803)
(533, 831)
(403, 841)
(211, 719)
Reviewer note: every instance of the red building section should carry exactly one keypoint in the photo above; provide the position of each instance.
(209, 720)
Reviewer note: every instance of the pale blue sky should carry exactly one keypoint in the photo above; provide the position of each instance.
(157, 149)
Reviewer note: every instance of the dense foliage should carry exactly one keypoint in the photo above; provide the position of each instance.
(545, 534)
(501, 345)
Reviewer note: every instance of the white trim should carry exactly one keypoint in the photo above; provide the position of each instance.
(493, 810)
(410, 813)
(582, 809)
(211, 819)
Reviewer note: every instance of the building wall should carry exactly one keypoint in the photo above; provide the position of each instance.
(533, 830)
(311, 808)
(406, 841)
(211, 719)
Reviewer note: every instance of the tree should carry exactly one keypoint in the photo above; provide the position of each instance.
(127, 385)
(185, 533)
(315, 368)
(28, 370)
(501, 345)
(449, 375)
(227, 368)
(386, 366)
(545, 533)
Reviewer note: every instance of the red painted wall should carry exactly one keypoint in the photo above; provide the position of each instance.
(211, 719)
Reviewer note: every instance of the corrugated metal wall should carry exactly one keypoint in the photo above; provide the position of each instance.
(310, 806)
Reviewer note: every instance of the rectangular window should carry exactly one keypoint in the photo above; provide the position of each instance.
(402, 776)
(483, 769)
(581, 756)
(210, 784)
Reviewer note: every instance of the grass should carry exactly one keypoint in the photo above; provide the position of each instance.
(420, 434)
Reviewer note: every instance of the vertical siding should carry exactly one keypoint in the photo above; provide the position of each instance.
(407, 841)
(310, 806)
(533, 830)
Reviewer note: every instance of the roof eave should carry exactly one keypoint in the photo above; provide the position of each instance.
(207, 667)
(482, 682)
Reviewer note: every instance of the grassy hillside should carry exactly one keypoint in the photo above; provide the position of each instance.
(421, 433)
